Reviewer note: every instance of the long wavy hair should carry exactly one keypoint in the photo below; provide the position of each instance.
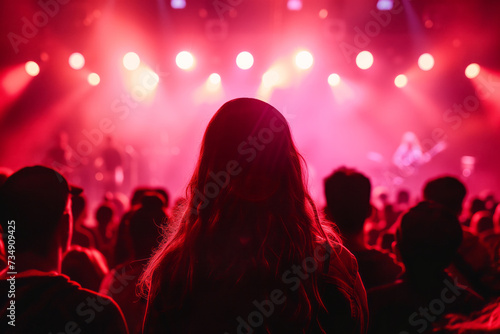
(247, 213)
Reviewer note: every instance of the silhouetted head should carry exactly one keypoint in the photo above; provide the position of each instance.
(145, 225)
(403, 196)
(36, 198)
(85, 266)
(446, 190)
(481, 221)
(476, 205)
(163, 193)
(247, 152)
(428, 237)
(104, 214)
(347, 193)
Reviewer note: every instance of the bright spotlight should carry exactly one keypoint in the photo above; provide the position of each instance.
(426, 62)
(334, 79)
(76, 61)
(385, 5)
(214, 78)
(32, 68)
(149, 79)
(304, 60)
(244, 60)
(294, 5)
(131, 61)
(364, 60)
(400, 81)
(472, 71)
(93, 79)
(178, 4)
(184, 60)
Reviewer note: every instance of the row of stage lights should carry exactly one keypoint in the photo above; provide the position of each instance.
(244, 60)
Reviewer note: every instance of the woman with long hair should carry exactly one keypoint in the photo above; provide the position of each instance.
(250, 254)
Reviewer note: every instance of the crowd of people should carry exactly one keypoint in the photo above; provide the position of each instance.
(247, 250)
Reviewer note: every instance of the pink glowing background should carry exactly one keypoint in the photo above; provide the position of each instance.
(157, 112)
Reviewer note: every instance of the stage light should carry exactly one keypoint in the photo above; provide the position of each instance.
(304, 60)
(76, 61)
(131, 61)
(323, 13)
(334, 79)
(184, 60)
(32, 68)
(244, 60)
(426, 62)
(93, 79)
(400, 81)
(294, 5)
(385, 5)
(214, 78)
(271, 78)
(364, 60)
(178, 4)
(472, 71)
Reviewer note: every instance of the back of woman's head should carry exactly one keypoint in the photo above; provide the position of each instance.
(247, 210)
(248, 189)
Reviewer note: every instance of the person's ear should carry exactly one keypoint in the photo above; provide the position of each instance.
(66, 227)
(65, 231)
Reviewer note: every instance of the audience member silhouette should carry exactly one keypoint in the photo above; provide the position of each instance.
(123, 246)
(475, 205)
(483, 226)
(85, 266)
(143, 233)
(82, 235)
(34, 204)
(473, 264)
(250, 254)
(105, 230)
(427, 240)
(348, 193)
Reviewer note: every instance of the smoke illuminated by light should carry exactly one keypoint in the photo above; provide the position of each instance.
(32, 68)
(364, 60)
(334, 79)
(184, 60)
(426, 62)
(76, 61)
(93, 79)
(304, 60)
(400, 81)
(244, 60)
(472, 71)
(131, 61)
